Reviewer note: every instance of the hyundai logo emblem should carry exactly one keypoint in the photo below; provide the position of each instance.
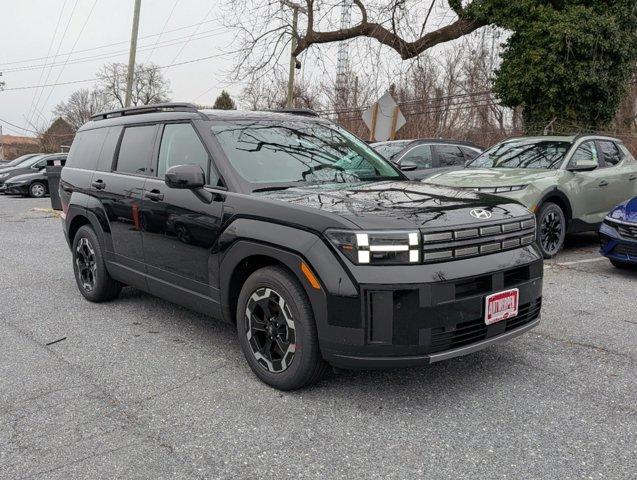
(480, 214)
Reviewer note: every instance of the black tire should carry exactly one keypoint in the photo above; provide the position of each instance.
(91, 276)
(37, 190)
(283, 370)
(622, 265)
(551, 229)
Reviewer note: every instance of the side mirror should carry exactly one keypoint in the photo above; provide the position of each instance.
(408, 166)
(185, 177)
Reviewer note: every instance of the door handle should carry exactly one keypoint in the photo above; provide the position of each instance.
(154, 195)
(99, 184)
(603, 183)
(632, 178)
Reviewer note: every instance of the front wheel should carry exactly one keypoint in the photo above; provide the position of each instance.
(276, 330)
(551, 230)
(37, 190)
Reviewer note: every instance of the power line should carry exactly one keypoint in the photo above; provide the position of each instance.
(72, 48)
(172, 10)
(191, 35)
(66, 29)
(166, 43)
(123, 42)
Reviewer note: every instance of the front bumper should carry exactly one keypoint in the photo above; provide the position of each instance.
(16, 189)
(398, 325)
(616, 247)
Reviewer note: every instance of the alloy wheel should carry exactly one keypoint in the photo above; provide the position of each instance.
(86, 264)
(37, 190)
(551, 230)
(270, 330)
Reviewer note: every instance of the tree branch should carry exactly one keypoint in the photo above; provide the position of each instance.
(405, 49)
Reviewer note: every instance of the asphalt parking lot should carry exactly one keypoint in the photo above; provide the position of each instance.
(140, 388)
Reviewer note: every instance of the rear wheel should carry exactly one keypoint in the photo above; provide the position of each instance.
(276, 330)
(37, 190)
(551, 230)
(91, 276)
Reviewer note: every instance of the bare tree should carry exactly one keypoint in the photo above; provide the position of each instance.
(264, 26)
(81, 105)
(270, 94)
(149, 84)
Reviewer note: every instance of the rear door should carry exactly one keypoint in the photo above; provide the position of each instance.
(621, 175)
(180, 227)
(589, 191)
(119, 190)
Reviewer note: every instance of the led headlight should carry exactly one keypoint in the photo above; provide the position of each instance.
(379, 247)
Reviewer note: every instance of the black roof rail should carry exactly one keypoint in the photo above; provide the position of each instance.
(152, 108)
(305, 112)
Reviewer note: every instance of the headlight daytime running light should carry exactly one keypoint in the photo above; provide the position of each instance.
(377, 247)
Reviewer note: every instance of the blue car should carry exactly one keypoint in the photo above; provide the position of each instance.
(618, 235)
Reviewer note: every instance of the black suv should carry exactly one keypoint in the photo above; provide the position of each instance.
(319, 250)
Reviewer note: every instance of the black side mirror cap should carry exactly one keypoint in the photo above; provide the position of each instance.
(185, 177)
(582, 168)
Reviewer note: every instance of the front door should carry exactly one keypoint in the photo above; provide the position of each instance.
(120, 193)
(180, 227)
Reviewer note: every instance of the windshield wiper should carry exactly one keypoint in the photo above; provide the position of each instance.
(273, 188)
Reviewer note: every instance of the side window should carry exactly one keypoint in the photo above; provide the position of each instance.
(610, 153)
(180, 145)
(41, 164)
(450, 155)
(105, 161)
(585, 156)
(135, 149)
(469, 153)
(420, 155)
(86, 149)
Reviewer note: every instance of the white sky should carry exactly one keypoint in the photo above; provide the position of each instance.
(27, 33)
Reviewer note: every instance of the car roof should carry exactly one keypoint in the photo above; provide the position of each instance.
(182, 111)
(420, 141)
(564, 138)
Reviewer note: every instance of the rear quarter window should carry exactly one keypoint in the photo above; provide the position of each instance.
(86, 149)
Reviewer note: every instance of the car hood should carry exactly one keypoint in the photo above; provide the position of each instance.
(397, 204)
(27, 176)
(626, 211)
(10, 169)
(491, 177)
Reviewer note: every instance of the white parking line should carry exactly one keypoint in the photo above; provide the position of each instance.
(588, 260)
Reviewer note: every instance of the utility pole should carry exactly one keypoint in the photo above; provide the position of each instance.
(131, 56)
(295, 20)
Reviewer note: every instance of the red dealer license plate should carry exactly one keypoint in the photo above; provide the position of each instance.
(501, 306)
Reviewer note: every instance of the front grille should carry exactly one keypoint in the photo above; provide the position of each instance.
(627, 231)
(466, 333)
(626, 250)
(440, 246)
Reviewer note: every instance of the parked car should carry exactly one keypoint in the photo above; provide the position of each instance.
(31, 165)
(422, 158)
(28, 184)
(318, 249)
(570, 183)
(618, 235)
(17, 161)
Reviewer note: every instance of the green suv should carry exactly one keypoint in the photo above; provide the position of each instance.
(570, 183)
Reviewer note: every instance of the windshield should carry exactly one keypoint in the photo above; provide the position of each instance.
(390, 150)
(523, 154)
(31, 161)
(293, 151)
(18, 160)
